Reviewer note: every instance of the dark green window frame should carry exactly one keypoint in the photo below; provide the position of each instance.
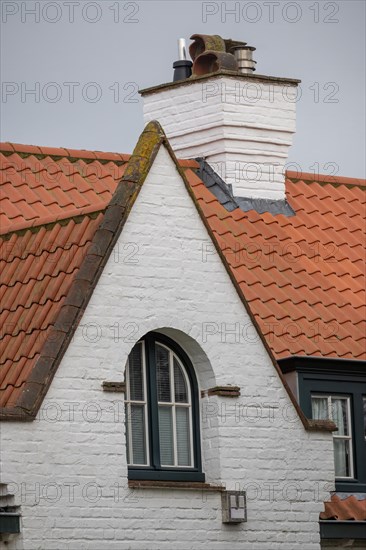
(341, 377)
(155, 471)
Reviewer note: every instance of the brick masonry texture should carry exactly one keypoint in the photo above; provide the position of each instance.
(68, 468)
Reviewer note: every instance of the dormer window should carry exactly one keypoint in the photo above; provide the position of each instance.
(338, 409)
(333, 389)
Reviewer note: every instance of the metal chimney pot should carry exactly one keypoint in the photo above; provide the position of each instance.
(182, 67)
(244, 58)
(182, 49)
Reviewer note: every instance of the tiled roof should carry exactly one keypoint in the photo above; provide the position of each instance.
(302, 276)
(287, 270)
(41, 185)
(51, 203)
(350, 508)
(37, 271)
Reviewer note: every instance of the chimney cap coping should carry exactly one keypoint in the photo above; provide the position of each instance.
(230, 74)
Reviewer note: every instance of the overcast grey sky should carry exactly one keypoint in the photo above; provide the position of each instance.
(86, 60)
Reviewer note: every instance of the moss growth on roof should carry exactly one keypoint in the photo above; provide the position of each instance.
(144, 153)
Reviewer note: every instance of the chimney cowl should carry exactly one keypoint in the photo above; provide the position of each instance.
(244, 59)
(240, 122)
(211, 53)
(204, 42)
(211, 62)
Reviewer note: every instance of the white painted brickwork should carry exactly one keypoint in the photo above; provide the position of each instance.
(243, 127)
(66, 466)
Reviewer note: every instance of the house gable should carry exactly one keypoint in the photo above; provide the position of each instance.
(156, 278)
(25, 404)
(157, 263)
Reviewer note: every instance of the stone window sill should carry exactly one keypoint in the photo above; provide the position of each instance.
(187, 485)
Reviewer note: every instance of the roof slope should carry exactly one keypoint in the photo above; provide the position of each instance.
(37, 269)
(41, 185)
(51, 204)
(64, 210)
(303, 276)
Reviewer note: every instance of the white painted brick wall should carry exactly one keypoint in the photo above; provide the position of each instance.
(67, 465)
(243, 127)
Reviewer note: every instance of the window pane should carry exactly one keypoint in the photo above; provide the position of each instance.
(341, 458)
(162, 373)
(180, 387)
(136, 374)
(183, 444)
(166, 436)
(364, 416)
(138, 434)
(339, 414)
(319, 407)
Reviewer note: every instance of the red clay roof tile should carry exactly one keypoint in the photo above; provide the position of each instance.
(7, 147)
(54, 186)
(350, 508)
(304, 268)
(37, 270)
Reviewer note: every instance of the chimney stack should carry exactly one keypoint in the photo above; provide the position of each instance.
(241, 123)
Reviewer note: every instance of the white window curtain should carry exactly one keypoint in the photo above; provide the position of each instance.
(336, 409)
(320, 408)
(341, 446)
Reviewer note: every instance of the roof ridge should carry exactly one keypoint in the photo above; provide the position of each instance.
(37, 150)
(308, 177)
(9, 147)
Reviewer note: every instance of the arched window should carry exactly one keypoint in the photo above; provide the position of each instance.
(162, 413)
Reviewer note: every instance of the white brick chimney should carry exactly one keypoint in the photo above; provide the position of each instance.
(242, 124)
